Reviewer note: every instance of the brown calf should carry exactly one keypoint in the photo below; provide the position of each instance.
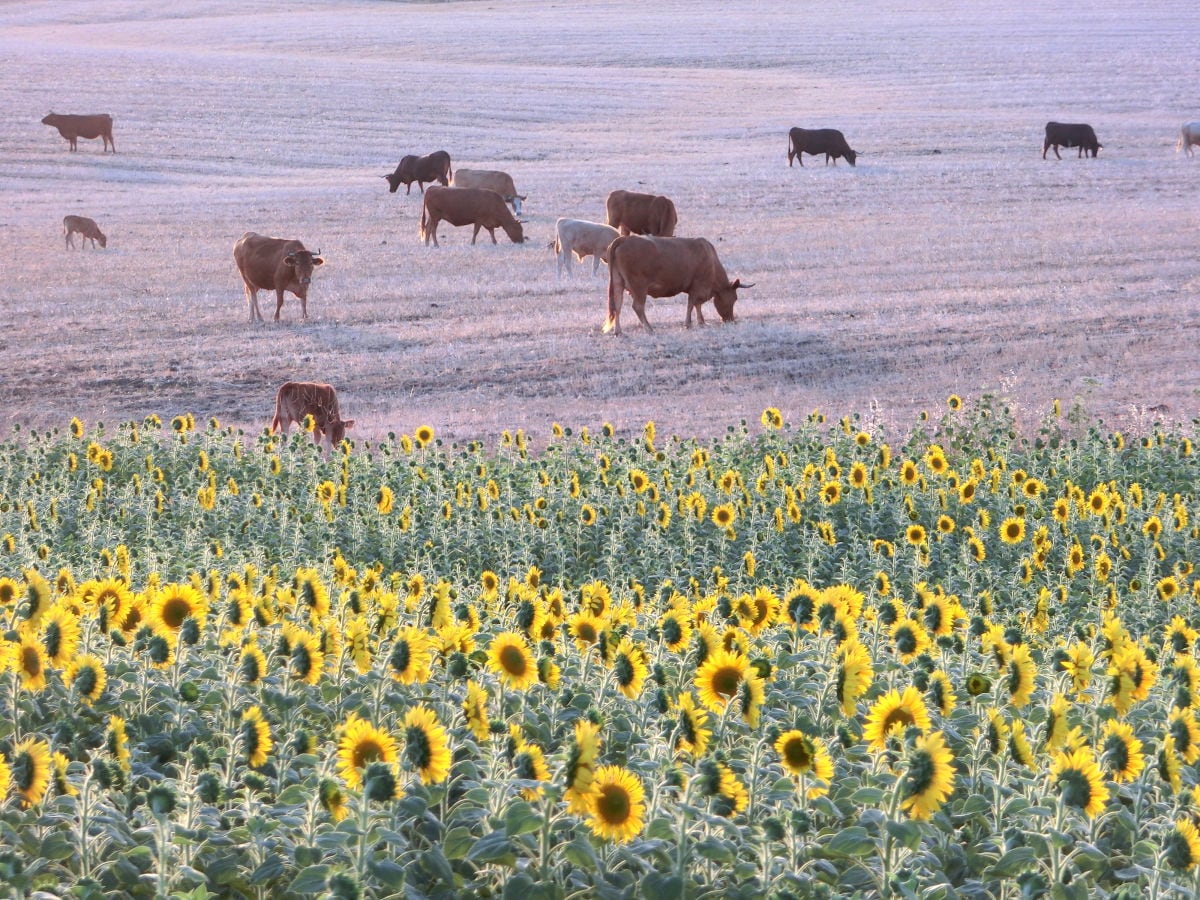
(89, 230)
(297, 399)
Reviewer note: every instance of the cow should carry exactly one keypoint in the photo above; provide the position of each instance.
(815, 141)
(74, 127)
(500, 182)
(1082, 136)
(633, 213)
(583, 239)
(1189, 135)
(664, 267)
(467, 206)
(421, 169)
(86, 228)
(297, 399)
(274, 264)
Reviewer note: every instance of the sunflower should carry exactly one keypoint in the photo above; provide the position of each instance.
(529, 764)
(1012, 530)
(720, 678)
(1057, 727)
(252, 664)
(475, 711)
(928, 776)
(586, 627)
(724, 515)
(1181, 725)
(385, 499)
(629, 668)
(423, 435)
(36, 599)
(30, 769)
(361, 744)
(731, 795)
(1121, 752)
(1098, 502)
(996, 731)
(426, 748)
(1021, 676)
(854, 675)
(1169, 765)
(117, 742)
(676, 629)
(892, 714)
(306, 656)
(27, 657)
(175, 602)
(1080, 781)
(751, 695)
(580, 771)
(1131, 675)
(941, 692)
(87, 677)
(691, 729)
(771, 418)
(587, 514)
(489, 582)
(60, 766)
(511, 659)
(59, 633)
(10, 590)
(411, 659)
(1181, 846)
(1018, 745)
(915, 535)
(909, 638)
(332, 799)
(1078, 665)
(805, 756)
(617, 804)
(256, 734)
(909, 473)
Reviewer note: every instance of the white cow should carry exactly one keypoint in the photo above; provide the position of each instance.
(489, 179)
(1189, 134)
(583, 239)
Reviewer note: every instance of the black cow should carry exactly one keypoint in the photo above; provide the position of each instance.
(422, 170)
(1082, 136)
(816, 141)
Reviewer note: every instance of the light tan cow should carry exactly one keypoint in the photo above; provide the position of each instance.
(583, 239)
(1189, 136)
(492, 180)
(86, 228)
(297, 399)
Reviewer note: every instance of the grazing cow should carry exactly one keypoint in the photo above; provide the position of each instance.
(583, 239)
(1189, 135)
(274, 264)
(664, 267)
(421, 169)
(468, 206)
(815, 141)
(297, 399)
(632, 213)
(74, 127)
(500, 182)
(1071, 135)
(88, 230)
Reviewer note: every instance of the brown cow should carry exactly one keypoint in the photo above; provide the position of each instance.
(632, 213)
(297, 399)
(274, 264)
(88, 230)
(422, 170)
(664, 267)
(468, 206)
(74, 127)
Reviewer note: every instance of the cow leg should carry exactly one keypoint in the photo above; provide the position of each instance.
(252, 301)
(492, 232)
(475, 233)
(433, 225)
(639, 306)
(408, 189)
(304, 307)
(70, 241)
(278, 302)
(595, 264)
(1056, 153)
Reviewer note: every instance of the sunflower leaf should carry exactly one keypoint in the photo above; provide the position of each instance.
(311, 880)
(854, 841)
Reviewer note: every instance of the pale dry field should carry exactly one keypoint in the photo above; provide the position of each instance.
(951, 260)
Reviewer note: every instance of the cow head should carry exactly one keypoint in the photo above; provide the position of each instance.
(515, 231)
(101, 238)
(302, 263)
(851, 155)
(393, 181)
(725, 297)
(336, 430)
(49, 119)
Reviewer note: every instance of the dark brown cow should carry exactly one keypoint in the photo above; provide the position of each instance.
(468, 206)
(297, 399)
(664, 267)
(74, 127)
(85, 227)
(421, 169)
(1059, 134)
(632, 213)
(274, 264)
(815, 141)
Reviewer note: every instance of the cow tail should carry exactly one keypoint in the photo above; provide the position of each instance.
(421, 230)
(616, 287)
(1179, 145)
(277, 422)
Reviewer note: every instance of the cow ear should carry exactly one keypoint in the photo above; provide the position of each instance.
(348, 423)
(737, 283)
(317, 261)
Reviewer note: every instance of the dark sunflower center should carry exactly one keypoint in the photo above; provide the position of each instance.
(302, 660)
(1116, 753)
(1076, 789)
(725, 681)
(175, 611)
(672, 632)
(86, 681)
(1182, 734)
(525, 767)
(251, 671)
(1179, 850)
(919, 777)
(24, 771)
(624, 670)
(587, 632)
(416, 747)
(52, 640)
(798, 754)
(526, 613)
(366, 751)
(401, 654)
(896, 717)
(613, 805)
(512, 660)
(933, 617)
(160, 650)
(251, 736)
(906, 641)
(31, 662)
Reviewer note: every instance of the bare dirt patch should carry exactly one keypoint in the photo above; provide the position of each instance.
(951, 260)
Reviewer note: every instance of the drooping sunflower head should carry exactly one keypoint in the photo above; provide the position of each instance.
(1121, 752)
(1181, 846)
(1080, 781)
(87, 677)
(928, 776)
(256, 737)
(30, 769)
(426, 748)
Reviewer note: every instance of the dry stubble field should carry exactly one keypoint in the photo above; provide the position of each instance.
(952, 259)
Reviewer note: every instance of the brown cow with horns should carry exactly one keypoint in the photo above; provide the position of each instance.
(274, 264)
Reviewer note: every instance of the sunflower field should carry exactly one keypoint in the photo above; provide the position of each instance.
(795, 661)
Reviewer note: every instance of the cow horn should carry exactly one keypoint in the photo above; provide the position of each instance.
(744, 286)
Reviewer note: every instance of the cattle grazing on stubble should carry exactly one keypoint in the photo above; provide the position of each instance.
(421, 169)
(1059, 134)
(86, 228)
(815, 141)
(664, 267)
(297, 399)
(1189, 136)
(274, 264)
(492, 180)
(581, 238)
(467, 206)
(631, 212)
(73, 127)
